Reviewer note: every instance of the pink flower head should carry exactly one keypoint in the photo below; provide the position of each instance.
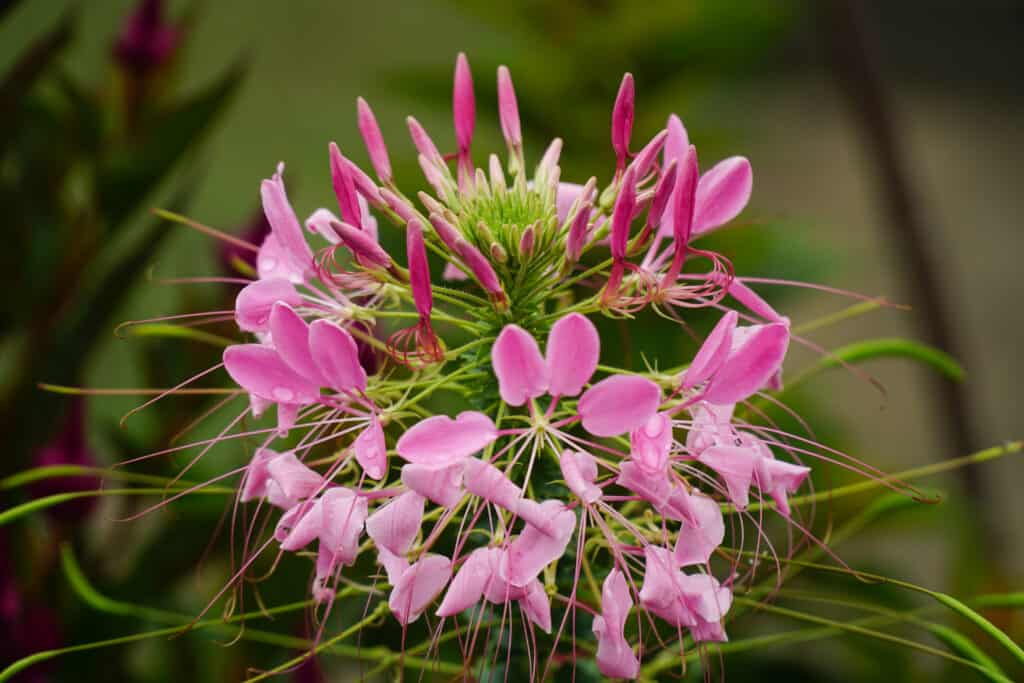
(147, 41)
(615, 657)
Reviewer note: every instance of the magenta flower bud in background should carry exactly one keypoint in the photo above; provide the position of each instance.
(622, 120)
(364, 184)
(480, 267)
(622, 215)
(363, 246)
(344, 188)
(464, 110)
(146, 41)
(69, 447)
(375, 146)
(508, 109)
(446, 231)
(398, 205)
(646, 157)
(424, 145)
(419, 268)
(662, 193)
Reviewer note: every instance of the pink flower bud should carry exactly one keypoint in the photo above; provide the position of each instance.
(463, 104)
(508, 109)
(446, 231)
(419, 268)
(363, 246)
(344, 188)
(662, 192)
(375, 146)
(424, 144)
(622, 119)
(364, 184)
(480, 267)
(622, 215)
(398, 205)
(645, 157)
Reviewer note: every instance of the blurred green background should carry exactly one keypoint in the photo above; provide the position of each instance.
(792, 85)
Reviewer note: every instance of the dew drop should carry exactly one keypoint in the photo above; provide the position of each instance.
(269, 262)
(283, 394)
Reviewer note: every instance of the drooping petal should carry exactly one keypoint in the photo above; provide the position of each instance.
(722, 194)
(395, 525)
(467, 588)
(297, 531)
(619, 404)
(487, 481)
(295, 479)
(712, 353)
(660, 588)
(735, 464)
(757, 354)
(290, 335)
(440, 440)
(285, 224)
(255, 300)
(652, 487)
(615, 657)
(650, 444)
(343, 516)
(521, 371)
(579, 470)
(442, 484)
(777, 478)
(259, 370)
(394, 565)
(272, 261)
(536, 605)
(320, 222)
(257, 475)
(573, 350)
(702, 593)
(535, 549)
(703, 527)
(371, 450)
(418, 586)
(337, 356)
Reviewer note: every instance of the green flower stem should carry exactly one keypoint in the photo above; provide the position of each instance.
(50, 471)
(853, 311)
(31, 506)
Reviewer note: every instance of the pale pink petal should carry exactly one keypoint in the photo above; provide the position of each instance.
(285, 224)
(712, 352)
(418, 586)
(468, 585)
(521, 371)
(535, 549)
(259, 370)
(320, 222)
(343, 516)
(440, 440)
(371, 450)
(453, 272)
(722, 194)
(778, 478)
(287, 415)
(652, 487)
(757, 354)
(290, 335)
(272, 261)
(676, 145)
(254, 302)
(395, 525)
(705, 597)
(508, 109)
(309, 526)
(622, 118)
(257, 475)
(618, 404)
(374, 141)
(660, 588)
(703, 528)
(441, 484)
(573, 350)
(335, 354)
(295, 479)
(536, 605)
(565, 197)
(394, 565)
(735, 464)
(650, 444)
(615, 657)
(487, 481)
(579, 471)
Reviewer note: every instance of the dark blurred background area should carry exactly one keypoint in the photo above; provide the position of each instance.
(885, 139)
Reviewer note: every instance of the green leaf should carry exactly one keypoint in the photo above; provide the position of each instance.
(132, 175)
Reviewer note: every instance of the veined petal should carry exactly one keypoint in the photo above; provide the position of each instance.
(371, 450)
(722, 194)
(295, 479)
(573, 350)
(255, 300)
(467, 588)
(535, 549)
(579, 470)
(536, 605)
(757, 354)
(343, 516)
(619, 404)
(703, 528)
(259, 370)
(442, 484)
(272, 261)
(440, 440)
(615, 657)
(735, 464)
(712, 353)
(285, 224)
(418, 586)
(650, 444)
(336, 355)
(308, 526)
(395, 525)
(290, 335)
(487, 481)
(521, 371)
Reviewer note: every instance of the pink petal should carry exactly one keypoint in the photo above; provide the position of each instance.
(535, 549)
(758, 306)
(614, 656)
(308, 527)
(622, 118)
(573, 350)
(294, 478)
(343, 516)
(579, 471)
(363, 245)
(487, 481)
(256, 476)
(371, 450)
(660, 588)
(290, 335)
(259, 370)
(394, 565)
(442, 484)
(676, 146)
(652, 487)
(536, 605)
(703, 594)
(374, 141)
(253, 303)
(440, 440)
(320, 222)
(344, 187)
(712, 352)
(419, 268)
(565, 197)
(395, 525)
(468, 585)
(699, 537)
(622, 215)
(778, 478)
(618, 404)
(453, 272)
(736, 467)
(273, 262)
(286, 227)
(418, 586)
(722, 194)
(757, 354)
(463, 103)
(335, 354)
(521, 371)
(508, 109)
(651, 443)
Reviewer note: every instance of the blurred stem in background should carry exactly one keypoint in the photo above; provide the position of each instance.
(853, 50)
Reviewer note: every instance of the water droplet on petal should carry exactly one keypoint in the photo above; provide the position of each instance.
(283, 394)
